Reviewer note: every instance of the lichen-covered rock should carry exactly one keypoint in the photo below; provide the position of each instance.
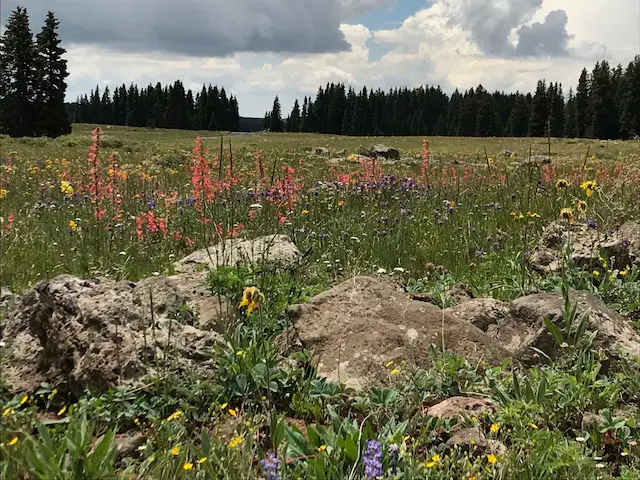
(462, 408)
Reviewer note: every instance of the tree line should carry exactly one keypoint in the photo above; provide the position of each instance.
(169, 106)
(32, 79)
(604, 105)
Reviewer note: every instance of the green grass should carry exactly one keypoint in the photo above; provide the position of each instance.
(469, 218)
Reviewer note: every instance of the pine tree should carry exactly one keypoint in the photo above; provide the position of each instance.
(603, 123)
(18, 62)
(630, 113)
(571, 117)
(304, 118)
(539, 111)
(488, 122)
(51, 81)
(518, 123)
(275, 122)
(293, 122)
(556, 110)
(582, 104)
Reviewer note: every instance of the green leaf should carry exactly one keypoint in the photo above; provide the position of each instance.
(351, 449)
(554, 330)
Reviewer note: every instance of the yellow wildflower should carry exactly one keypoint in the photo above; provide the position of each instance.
(202, 460)
(533, 214)
(175, 450)
(240, 353)
(3, 192)
(340, 202)
(175, 415)
(62, 410)
(435, 458)
(352, 157)
(625, 272)
(430, 464)
(567, 214)
(235, 441)
(187, 466)
(74, 226)
(66, 188)
(250, 299)
(233, 413)
(24, 399)
(395, 371)
(561, 184)
(581, 206)
(223, 406)
(305, 212)
(7, 411)
(589, 187)
(596, 273)
(492, 459)
(322, 448)
(13, 441)
(534, 426)
(494, 428)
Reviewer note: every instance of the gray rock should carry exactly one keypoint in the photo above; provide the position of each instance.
(462, 408)
(481, 312)
(384, 151)
(320, 151)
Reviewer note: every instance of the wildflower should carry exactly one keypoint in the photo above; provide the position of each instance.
(73, 226)
(596, 273)
(240, 353)
(373, 459)
(270, 465)
(533, 214)
(626, 271)
(352, 157)
(436, 458)
(561, 184)
(223, 406)
(3, 192)
(534, 426)
(581, 206)
(494, 428)
(567, 214)
(201, 460)
(175, 415)
(255, 205)
(589, 187)
(66, 188)
(492, 459)
(24, 399)
(322, 448)
(340, 203)
(7, 412)
(62, 410)
(250, 299)
(233, 413)
(592, 224)
(187, 466)
(581, 439)
(395, 371)
(305, 212)
(235, 441)
(175, 450)
(13, 441)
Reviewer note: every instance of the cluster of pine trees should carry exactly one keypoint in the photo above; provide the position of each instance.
(169, 106)
(605, 105)
(32, 79)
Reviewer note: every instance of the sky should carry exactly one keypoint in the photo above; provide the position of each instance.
(258, 49)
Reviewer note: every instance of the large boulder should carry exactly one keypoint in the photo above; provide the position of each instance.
(360, 325)
(384, 151)
(586, 244)
(524, 328)
(276, 249)
(99, 333)
(481, 312)
(462, 408)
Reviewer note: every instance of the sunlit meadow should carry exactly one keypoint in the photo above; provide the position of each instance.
(127, 203)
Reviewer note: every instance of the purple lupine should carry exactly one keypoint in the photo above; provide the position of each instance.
(592, 224)
(270, 465)
(151, 204)
(373, 459)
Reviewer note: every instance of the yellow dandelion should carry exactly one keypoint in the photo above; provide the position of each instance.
(235, 441)
(233, 413)
(430, 464)
(250, 299)
(201, 460)
(66, 188)
(223, 406)
(589, 187)
(13, 441)
(187, 466)
(175, 415)
(435, 458)
(3, 192)
(492, 459)
(175, 450)
(305, 212)
(352, 157)
(494, 428)
(561, 184)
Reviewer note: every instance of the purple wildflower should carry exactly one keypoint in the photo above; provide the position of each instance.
(151, 204)
(592, 224)
(270, 465)
(190, 201)
(373, 459)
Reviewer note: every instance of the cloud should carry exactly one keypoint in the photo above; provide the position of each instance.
(204, 28)
(353, 8)
(547, 38)
(492, 23)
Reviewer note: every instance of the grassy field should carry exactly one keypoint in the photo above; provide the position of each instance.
(128, 203)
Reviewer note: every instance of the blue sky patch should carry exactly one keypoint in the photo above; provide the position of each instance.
(385, 19)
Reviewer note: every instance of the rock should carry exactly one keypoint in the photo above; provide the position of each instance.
(341, 152)
(359, 325)
(98, 333)
(473, 441)
(462, 408)
(126, 444)
(7, 300)
(506, 153)
(481, 312)
(384, 151)
(536, 161)
(275, 249)
(586, 244)
(320, 151)
(336, 160)
(524, 329)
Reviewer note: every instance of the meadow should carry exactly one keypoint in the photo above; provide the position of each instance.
(126, 203)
